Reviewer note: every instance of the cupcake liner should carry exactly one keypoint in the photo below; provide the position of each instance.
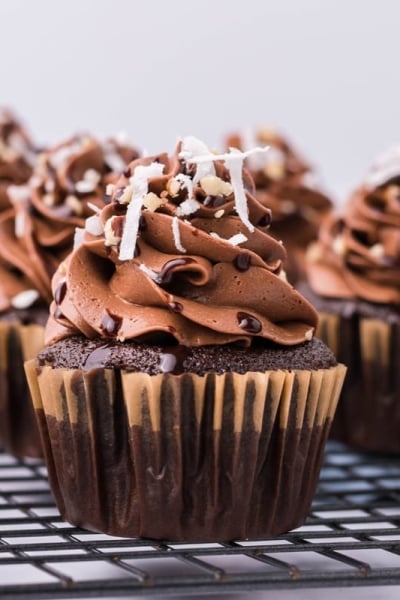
(184, 457)
(19, 434)
(368, 415)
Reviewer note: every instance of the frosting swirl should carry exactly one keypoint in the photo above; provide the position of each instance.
(287, 185)
(357, 255)
(182, 254)
(36, 234)
(17, 155)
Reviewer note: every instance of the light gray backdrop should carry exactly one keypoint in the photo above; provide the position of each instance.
(324, 71)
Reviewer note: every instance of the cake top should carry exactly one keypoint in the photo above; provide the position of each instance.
(37, 231)
(17, 154)
(358, 253)
(181, 254)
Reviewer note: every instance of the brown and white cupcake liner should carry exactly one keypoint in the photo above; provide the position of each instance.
(368, 415)
(19, 434)
(184, 457)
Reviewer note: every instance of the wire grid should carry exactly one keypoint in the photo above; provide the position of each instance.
(352, 537)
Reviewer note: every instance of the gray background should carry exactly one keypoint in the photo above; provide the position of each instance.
(326, 72)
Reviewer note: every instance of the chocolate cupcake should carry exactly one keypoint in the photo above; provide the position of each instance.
(354, 282)
(181, 382)
(17, 155)
(287, 185)
(36, 233)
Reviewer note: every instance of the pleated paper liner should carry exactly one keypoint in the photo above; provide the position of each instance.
(184, 457)
(368, 415)
(19, 434)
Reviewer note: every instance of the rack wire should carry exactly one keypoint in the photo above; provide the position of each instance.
(351, 538)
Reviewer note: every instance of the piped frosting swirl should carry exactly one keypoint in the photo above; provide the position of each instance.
(181, 255)
(358, 254)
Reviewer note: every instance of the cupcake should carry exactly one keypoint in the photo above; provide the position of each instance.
(354, 282)
(181, 394)
(36, 233)
(287, 185)
(17, 155)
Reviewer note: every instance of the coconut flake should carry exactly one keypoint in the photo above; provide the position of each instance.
(93, 207)
(152, 274)
(24, 299)
(58, 158)
(177, 235)
(187, 183)
(78, 237)
(237, 239)
(188, 207)
(192, 146)
(140, 184)
(93, 225)
(19, 196)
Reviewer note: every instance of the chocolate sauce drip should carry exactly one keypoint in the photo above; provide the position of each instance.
(127, 172)
(249, 323)
(110, 324)
(242, 261)
(120, 209)
(176, 307)
(142, 223)
(172, 361)
(265, 220)
(167, 271)
(136, 252)
(60, 292)
(97, 358)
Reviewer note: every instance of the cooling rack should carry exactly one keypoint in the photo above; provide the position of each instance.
(351, 538)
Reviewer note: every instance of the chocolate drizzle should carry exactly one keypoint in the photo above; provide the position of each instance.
(60, 292)
(249, 323)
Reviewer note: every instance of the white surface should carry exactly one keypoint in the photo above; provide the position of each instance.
(324, 72)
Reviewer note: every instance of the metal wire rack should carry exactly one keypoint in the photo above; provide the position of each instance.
(352, 537)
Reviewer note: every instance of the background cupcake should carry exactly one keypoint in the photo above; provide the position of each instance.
(36, 233)
(287, 185)
(17, 155)
(182, 383)
(354, 282)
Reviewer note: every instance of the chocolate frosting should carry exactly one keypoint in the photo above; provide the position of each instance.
(17, 155)
(357, 255)
(287, 185)
(37, 232)
(177, 257)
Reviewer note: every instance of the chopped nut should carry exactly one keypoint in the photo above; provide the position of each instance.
(392, 192)
(213, 185)
(24, 299)
(274, 170)
(219, 213)
(74, 204)
(173, 187)
(126, 195)
(309, 334)
(48, 200)
(339, 245)
(113, 230)
(110, 187)
(266, 136)
(62, 269)
(282, 275)
(288, 207)
(377, 251)
(314, 253)
(151, 201)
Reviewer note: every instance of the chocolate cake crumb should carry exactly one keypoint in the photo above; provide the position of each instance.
(80, 353)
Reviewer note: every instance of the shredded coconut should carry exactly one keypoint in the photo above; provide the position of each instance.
(191, 147)
(187, 183)
(78, 237)
(140, 184)
(94, 208)
(24, 299)
(385, 168)
(152, 274)
(237, 239)
(188, 207)
(177, 235)
(93, 225)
